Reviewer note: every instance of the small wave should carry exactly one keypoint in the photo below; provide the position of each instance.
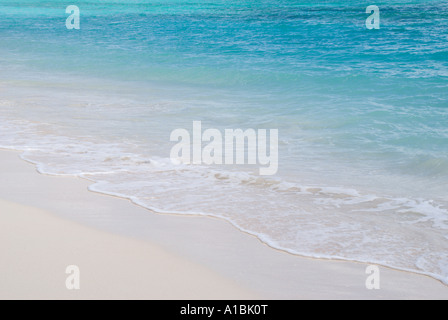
(314, 221)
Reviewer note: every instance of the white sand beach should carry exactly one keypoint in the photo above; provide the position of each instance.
(126, 252)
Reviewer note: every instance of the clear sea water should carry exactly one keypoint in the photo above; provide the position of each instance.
(362, 114)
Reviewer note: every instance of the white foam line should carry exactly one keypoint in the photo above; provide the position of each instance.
(263, 238)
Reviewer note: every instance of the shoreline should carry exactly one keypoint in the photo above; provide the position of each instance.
(240, 264)
(230, 222)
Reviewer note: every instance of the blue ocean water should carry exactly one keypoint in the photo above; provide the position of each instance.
(362, 114)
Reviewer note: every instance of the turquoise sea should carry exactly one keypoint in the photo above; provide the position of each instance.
(362, 114)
